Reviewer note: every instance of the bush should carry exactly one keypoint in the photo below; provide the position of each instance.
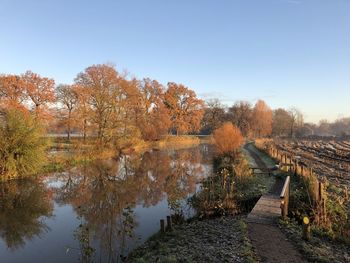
(227, 138)
(22, 146)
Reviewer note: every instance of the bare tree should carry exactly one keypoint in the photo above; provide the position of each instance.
(297, 120)
(241, 114)
(281, 122)
(214, 116)
(68, 97)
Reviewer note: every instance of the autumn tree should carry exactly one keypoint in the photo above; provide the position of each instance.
(22, 146)
(83, 110)
(153, 119)
(214, 116)
(262, 119)
(228, 138)
(127, 107)
(241, 115)
(185, 109)
(112, 104)
(12, 91)
(68, 97)
(40, 90)
(102, 85)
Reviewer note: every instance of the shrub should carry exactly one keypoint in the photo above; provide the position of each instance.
(227, 138)
(22, 146)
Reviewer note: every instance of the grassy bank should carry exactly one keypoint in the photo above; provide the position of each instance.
(221, 239)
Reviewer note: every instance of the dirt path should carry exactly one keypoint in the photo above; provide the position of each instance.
(254, 153)
(270, 244)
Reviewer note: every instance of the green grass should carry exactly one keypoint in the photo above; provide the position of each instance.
(247, 250)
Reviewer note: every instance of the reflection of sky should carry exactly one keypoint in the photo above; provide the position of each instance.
(51, 246)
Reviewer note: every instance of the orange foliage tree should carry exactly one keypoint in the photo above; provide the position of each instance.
(154, 119)
(227, 138)
(185, 109)
(12, 91)
(82, 112)
(102, 83)
(41, 92)
(262, 119)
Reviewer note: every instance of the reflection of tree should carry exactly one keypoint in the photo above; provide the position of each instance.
(105, 192)
(23, 206)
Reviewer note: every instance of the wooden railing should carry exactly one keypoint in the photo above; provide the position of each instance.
(285, 197)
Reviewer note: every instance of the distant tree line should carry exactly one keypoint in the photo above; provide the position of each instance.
(118, 110)
(338, 128)
(257, 120)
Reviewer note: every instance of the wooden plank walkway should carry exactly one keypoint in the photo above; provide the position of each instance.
(266, 211)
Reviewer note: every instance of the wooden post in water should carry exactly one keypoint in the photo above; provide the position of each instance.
(162, 226)
(306, 228)
(169, 223)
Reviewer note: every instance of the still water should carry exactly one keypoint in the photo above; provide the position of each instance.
(100, 212)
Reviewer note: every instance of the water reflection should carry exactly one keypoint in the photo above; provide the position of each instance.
(24, 205)
(110, 200)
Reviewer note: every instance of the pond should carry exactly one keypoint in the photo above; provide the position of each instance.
(99, 212)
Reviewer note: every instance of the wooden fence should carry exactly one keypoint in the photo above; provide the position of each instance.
(294, 165)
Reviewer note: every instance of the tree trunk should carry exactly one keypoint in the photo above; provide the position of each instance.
(84, 131)
(68, 124)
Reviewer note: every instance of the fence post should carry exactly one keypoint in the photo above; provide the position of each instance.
(306, 228)
(302, 170)
(285, 197)
(169, 223)
(162, 226)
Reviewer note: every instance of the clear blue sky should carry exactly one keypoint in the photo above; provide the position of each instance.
(287, 52)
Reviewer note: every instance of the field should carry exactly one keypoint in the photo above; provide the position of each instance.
(321, 189)
(329, 159)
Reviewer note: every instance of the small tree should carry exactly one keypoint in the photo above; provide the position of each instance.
(22, 147)
(227, 138)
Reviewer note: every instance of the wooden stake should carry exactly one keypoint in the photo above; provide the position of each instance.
(169, 223)
(162, 226)
(306, 228)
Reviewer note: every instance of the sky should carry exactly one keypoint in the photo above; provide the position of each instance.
(290, 53)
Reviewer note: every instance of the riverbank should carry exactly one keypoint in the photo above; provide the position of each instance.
(222, 239)
(70, 154)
